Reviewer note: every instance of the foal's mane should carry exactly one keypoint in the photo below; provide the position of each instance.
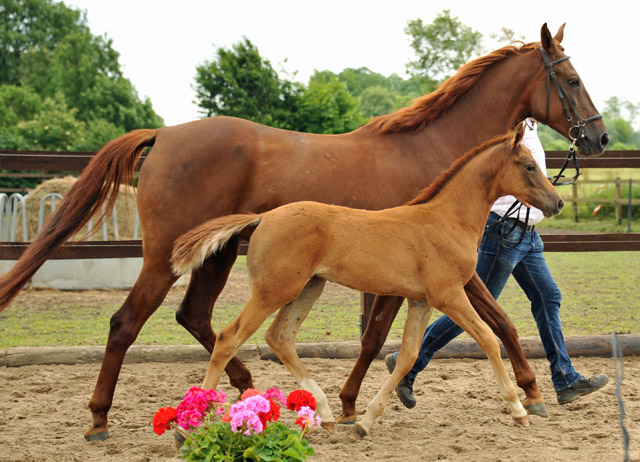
(434, 188)
(428, 107)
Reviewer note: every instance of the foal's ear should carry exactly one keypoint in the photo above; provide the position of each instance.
(518, 134)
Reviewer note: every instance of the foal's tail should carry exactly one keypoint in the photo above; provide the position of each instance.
(192, 248)
(99, 183)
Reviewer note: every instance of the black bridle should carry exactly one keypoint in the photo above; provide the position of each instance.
(575, 120)
(576, 127)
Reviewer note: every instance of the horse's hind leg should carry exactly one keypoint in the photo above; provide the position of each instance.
(503, 327)
(146, 295)
(194, 314)
(383, 312)
(281, 337)
(417, 319)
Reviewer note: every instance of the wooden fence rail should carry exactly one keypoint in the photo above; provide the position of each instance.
(54, 161)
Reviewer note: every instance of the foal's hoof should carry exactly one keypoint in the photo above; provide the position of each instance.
(539, 409)
(360, 430)
(329, 426)
(522, 421)
(94, 434)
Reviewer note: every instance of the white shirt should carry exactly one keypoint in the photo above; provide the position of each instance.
(531, 141)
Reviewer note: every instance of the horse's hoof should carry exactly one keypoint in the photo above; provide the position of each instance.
(92, 435)
(539, 409)
(522, 421)
(329, 426)
(360, 430)
(346, 420)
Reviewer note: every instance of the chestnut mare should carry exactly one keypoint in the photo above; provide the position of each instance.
(219, 166)
(424, 251)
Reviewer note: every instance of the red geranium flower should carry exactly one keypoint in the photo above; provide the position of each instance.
(163, 418)
(299, 398)
(249, 392)
(272, 415)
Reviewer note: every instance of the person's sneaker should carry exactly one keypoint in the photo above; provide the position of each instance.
(404, 390)
(583, 387)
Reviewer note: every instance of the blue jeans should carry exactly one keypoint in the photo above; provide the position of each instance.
(496, 262)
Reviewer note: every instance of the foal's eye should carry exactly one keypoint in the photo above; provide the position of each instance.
(574, 82)
(531, 168)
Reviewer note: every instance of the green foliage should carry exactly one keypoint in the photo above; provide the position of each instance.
(377, 100)
(441, 47)
(619, 117)
(240, 83)
(214, 440)
(326, 106)
(358, 80)
(29, 25)
(59, 83)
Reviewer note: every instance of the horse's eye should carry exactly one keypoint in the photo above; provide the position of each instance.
(531, 168)
(574, 82)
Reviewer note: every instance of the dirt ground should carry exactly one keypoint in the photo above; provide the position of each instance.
(459, 416)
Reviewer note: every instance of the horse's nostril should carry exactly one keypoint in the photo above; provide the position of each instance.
(560, 204)
(604, 140)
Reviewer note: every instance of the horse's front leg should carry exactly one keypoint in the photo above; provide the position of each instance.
(503, 327)
(383, 312)
(417, 319)
(456, 305)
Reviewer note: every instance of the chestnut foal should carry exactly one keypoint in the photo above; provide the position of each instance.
(425, 251)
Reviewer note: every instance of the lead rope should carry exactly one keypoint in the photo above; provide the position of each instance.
(618, 368)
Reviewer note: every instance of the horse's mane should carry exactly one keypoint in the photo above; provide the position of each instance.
(430, 106)
(434, 188)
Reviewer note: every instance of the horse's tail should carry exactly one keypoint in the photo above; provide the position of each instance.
(192, 248)
(99, 183)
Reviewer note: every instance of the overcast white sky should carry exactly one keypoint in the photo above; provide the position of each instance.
(161, 42)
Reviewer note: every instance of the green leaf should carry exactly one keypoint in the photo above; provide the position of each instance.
(293, 454)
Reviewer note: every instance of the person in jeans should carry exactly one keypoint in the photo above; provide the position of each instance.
(507, 250)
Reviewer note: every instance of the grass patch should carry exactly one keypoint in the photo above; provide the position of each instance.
(600, 295)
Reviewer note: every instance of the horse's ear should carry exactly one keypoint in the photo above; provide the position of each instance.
(518, 134)
(548, 42)
(560, 34)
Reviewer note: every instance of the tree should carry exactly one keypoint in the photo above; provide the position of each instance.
(441, 47)
(358, 80)
(240, 83)
(47, 50)
(326, 106)
(377, 100)
(29, 25)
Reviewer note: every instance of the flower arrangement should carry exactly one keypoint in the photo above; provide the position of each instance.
(246, 430)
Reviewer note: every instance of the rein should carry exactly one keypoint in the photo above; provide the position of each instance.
(576, 127)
